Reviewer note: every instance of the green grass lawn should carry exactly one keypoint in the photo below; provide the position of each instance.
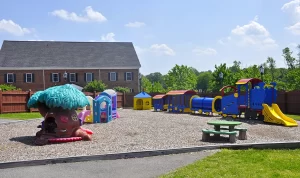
(295, 117)
(21, 116)
(243, 163)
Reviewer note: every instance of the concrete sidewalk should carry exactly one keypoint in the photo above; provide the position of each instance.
(131, 168)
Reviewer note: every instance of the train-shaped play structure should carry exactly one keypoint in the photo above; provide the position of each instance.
(252, 98)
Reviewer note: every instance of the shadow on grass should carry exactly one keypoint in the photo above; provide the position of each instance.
(27, 140)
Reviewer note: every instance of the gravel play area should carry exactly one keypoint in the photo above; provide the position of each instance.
(134, 131)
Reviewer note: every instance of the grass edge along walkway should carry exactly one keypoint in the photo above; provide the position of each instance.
(243, 163)
(35, 115)
(21, 116)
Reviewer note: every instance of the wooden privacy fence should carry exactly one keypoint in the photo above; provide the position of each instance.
(16, 101)
(289, 102)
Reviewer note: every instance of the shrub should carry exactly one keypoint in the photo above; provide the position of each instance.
(8, 87)
(122, 89)
(96, 85)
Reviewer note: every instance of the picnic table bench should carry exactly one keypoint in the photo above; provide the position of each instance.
(228, 128)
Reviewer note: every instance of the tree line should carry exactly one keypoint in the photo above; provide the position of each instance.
(182, 77)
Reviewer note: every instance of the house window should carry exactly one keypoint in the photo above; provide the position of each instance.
(128, 76)
(10, 78)
(112, 76)
(72, 77)
(131, 90)
(28, 78)
(55, 77)
(88, 77)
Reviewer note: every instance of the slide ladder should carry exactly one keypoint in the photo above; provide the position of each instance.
(273, 114)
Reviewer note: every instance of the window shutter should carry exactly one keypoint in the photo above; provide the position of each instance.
(116, 76)
(132, 90)
(76, 77)
(5, 78)
(68, 77)
(58, 77)
(32, 77)
(132, 76)
(108, 76)
(51, 80)
(15, 78)
(124, 76)
(92, 76)
(24, 75)
(84, 77)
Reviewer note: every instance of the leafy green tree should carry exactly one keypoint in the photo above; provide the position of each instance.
(155, 77)
(96, 85)
(217, 82)
(8, 87)
(272, 66)
(289, 59)
(293, 78)
(146, 84)
(122, 89)
(203, 80)
(298, 47)
(195, 71)
(157, 87)
(181, 78)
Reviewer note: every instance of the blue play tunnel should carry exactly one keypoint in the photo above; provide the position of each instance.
(206, 104)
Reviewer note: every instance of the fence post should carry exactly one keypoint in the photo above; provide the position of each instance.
(29, 95)
(285, 102)
(1, 101)
(123, 102)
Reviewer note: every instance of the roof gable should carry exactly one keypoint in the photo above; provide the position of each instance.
(142, 95)
(57, 54)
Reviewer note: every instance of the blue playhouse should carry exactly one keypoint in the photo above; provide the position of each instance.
(102, 108)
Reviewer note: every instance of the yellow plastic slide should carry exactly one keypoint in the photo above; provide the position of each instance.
(274, 115)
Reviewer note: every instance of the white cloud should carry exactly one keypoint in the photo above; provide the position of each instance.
(89, 16)
(140, 50)
(135, 24)
(293, 9)
(252, 34)
(295, 29)
(157, 49)
(13, 28)
(109, 37)
(293, 45)
(162, 49)
(205, 51)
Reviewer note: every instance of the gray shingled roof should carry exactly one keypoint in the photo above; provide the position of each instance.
(68, 54)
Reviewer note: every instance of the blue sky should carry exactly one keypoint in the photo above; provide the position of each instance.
(164, 32)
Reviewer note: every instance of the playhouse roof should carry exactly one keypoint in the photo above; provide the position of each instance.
(159, 96)
(181, 92)
(244, 81)
(142, 95)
